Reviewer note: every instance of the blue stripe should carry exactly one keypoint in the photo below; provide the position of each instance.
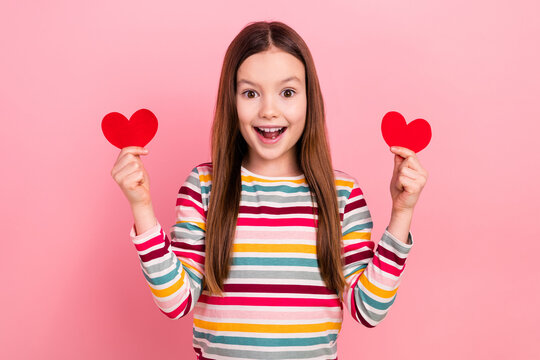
(356, 269)
(282, 188)
(192, 275)
(368, 225)
(205, 189)
(360, 296)
(344, 193)
(274, 261)
(244, 340)
(188, 226)
(165, 278)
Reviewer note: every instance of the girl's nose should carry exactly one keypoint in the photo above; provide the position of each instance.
(269, 108)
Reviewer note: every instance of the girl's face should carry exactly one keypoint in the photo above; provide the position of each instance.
(271, 95)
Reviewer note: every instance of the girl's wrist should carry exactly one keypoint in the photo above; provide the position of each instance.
(402, 212)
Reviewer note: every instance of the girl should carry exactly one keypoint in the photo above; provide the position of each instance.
(270, 241)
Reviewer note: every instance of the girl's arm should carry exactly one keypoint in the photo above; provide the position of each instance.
(373, 276)
(174, 269)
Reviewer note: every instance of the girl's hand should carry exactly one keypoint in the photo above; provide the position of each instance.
(408, 180)
(129, 173)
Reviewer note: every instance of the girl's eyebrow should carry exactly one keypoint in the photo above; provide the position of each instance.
(295, 78)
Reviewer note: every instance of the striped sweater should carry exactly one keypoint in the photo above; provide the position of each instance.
(275, 304)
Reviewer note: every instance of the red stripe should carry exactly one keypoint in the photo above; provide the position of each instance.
(363, 255)
(149, 243)
(384, 267)
(353, 301)
(361, 244)
(390, 255)
(178, 244)
(186, 304)
(184, 190)
(276, 222)
(192, 256)
(162, 251)
(265, 301)
(278, 288)
(355, 205)
(277, 210)
(189, 203)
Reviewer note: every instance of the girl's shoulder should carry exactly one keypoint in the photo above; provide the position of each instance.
(203, 172)
(204, 168)
(344, 179)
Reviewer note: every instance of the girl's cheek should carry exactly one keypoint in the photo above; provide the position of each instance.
(296, 111)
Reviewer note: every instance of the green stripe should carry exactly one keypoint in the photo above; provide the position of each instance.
(274, 261)
(253, 341)
(281, 188)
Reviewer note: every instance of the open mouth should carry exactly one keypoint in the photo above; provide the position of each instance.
(270, 133)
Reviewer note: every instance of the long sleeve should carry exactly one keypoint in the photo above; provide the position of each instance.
(374, 277)
(174, 269)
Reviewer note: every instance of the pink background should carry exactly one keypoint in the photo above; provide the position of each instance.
(73, 287)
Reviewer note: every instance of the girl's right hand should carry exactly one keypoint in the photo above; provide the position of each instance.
(129, 173)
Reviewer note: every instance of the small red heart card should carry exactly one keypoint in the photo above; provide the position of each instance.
(138, 131)
(396, 132)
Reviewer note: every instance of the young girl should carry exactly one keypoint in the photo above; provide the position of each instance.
(270, 241)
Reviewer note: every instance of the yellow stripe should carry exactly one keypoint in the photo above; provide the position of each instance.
(208, 177)
(358, 235)
(199, 224)
(249, 178)
(266, 328)
(346, 183)
(171, 289)
(205, 177)
(276, 248)
(376, 290)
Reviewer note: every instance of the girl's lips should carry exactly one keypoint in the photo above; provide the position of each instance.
(269, 141)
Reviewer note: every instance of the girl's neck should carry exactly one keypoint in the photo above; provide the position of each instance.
(274, 168)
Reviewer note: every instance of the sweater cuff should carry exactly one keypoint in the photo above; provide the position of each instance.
(396, 244)
(147, 239)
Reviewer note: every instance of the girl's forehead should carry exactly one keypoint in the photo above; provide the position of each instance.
(270, 67)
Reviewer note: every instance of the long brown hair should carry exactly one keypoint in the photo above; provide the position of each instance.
(229, 149)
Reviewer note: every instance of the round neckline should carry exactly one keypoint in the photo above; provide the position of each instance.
(298, 177)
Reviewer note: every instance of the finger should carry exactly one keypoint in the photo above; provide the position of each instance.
(410, 173)
(135, 150)
(135, 178)
(412, 162)
(129, 153)
(402, 151)
(398, 161)
(411, 186)
(407, 184)
(411, 159)
(126, 171)
(129, 161)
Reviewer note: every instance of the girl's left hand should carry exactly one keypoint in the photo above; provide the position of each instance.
(408, 179)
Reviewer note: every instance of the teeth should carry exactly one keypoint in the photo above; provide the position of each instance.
(270, 129)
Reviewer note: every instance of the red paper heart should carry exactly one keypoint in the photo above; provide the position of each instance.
(396, 132)
(138, 131)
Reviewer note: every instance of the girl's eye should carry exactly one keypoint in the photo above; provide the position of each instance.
(289, 90)
(248, 92)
